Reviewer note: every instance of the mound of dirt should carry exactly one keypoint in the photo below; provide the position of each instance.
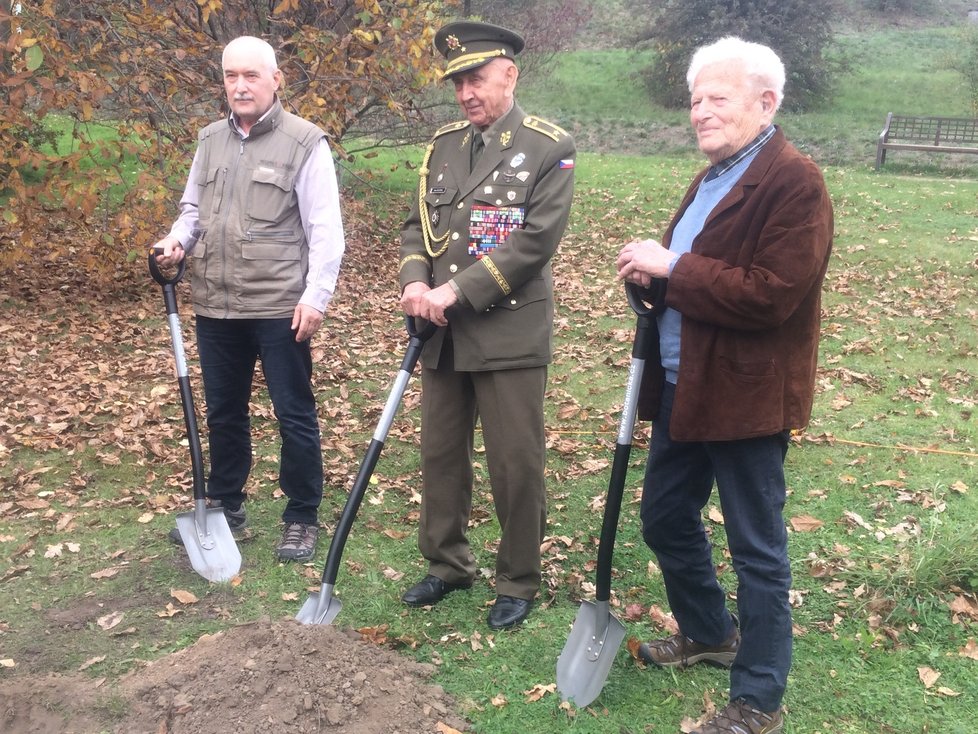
(251, 679)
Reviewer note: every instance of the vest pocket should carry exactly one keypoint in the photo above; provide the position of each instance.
(211, 191)
(271, 276)
(270, 195)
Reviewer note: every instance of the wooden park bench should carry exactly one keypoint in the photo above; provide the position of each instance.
(932, 134)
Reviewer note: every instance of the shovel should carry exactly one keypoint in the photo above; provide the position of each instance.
(322, 607)
(205, 532)
(590, 650)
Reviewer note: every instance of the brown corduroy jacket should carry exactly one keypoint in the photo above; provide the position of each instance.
(750, 297)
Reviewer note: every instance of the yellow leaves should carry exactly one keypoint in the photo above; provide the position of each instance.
(285, 6)
(207, 7)
(367, 37)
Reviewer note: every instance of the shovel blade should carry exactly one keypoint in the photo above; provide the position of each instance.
(588, 654)
(211, 548)
(320, 608)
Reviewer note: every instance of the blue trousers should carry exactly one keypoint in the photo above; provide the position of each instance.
(229, 350)
(749, 476)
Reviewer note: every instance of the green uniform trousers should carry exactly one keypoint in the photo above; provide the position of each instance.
(509, 404)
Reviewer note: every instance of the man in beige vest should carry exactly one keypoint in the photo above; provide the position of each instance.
(493, 199)
(260, 221)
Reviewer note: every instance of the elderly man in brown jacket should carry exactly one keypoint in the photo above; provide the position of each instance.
(740, 272)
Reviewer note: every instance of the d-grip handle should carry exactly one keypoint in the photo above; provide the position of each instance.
(649, 301)
(157, 273)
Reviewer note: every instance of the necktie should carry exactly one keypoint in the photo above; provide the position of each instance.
(478, 145)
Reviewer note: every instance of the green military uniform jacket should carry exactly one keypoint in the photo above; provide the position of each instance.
(493, 230)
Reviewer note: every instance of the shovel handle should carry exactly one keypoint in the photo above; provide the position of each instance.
(424, 333)
(157, 272)
(649, 301)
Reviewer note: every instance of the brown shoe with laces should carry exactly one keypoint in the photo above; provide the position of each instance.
(678, 651)
(298, 542)
(739, 718)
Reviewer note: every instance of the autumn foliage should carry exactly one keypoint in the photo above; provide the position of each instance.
(102, 101)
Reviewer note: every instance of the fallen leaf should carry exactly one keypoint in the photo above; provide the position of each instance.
(7, 663)
(290, 596)
(805, 523)
(90, 662)
(539, 691)
(184, 597)
(663, 620)
(634, 612)
(170, 611)
(499, 700)
(444, 728)
(105, 573)
(970, 650)
(110, 620)
(53, 551)
(928, 676)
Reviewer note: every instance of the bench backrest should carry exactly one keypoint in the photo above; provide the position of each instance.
(934, 130)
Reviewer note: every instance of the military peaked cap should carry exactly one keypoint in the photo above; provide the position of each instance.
(468, 44)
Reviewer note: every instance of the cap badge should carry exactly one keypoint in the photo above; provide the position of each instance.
(453, 43)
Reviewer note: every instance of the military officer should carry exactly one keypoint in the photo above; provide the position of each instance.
(493, 198)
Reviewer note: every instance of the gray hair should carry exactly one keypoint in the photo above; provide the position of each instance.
(761, 64)
(262, 49)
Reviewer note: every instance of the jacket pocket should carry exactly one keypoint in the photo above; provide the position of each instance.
(210, 194)
(439, 201)
(518, 327)
(272, 275)
(502, 194)
(270, 196)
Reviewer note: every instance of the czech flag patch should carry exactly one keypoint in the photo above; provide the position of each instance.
(566, 163)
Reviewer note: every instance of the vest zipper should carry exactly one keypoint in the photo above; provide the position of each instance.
(229, 186)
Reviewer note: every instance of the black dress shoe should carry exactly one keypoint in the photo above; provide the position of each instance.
(508, 611)
(430, 590)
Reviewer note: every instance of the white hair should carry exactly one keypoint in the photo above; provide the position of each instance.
(761, 64)
(262, 49)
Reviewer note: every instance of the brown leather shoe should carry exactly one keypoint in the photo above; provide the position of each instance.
(430, 590)
(740, 718)
(679, 651)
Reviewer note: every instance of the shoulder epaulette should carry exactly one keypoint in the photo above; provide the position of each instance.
(451, 127)
(543, 126)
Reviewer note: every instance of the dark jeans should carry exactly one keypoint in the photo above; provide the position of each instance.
(229, 349)
(750, 483)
